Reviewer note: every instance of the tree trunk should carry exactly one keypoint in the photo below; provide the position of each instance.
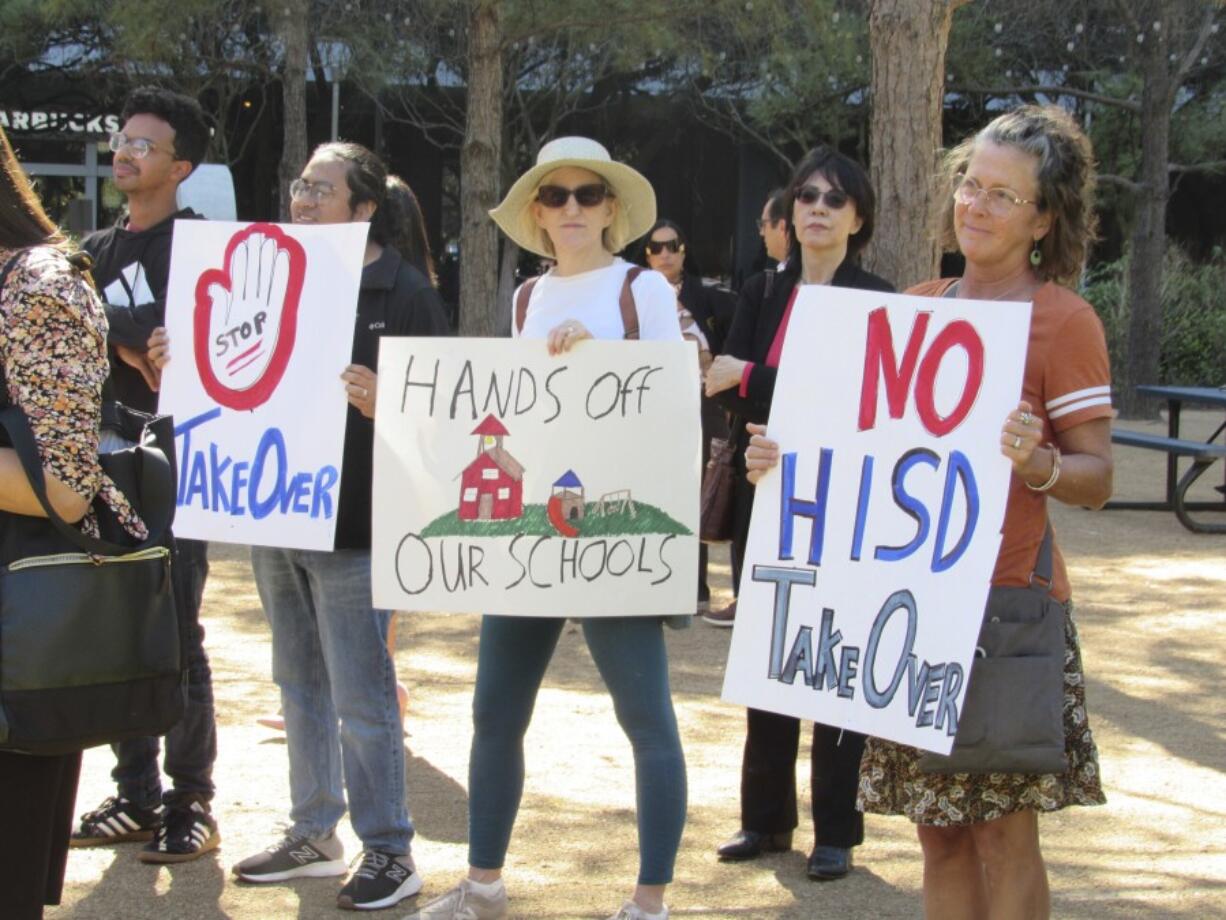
(293, 32)
(506, 286)
(1148, 239)
(908, 40)
(479, 171)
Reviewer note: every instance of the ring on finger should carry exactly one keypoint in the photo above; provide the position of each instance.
(365, 392)
(1026, 419)
(1017, 441)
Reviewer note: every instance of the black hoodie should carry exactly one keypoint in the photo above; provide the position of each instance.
(132, 270)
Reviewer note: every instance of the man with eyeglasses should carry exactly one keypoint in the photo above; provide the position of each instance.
(164, 137)
(773, 228)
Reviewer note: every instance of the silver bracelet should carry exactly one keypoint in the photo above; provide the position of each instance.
(1055, 471)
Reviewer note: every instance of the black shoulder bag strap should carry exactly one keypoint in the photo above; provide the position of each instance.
(156, 474)
(1040, 578)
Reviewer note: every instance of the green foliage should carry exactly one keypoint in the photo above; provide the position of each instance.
(1193, 316)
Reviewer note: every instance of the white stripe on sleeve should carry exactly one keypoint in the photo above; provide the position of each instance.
(1078, 395)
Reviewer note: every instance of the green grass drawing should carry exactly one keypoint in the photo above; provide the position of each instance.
(534, 522)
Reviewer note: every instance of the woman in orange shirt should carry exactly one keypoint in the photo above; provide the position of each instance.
(1021, 213)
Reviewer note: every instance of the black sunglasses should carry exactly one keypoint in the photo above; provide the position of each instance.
(586, 196)
(835, 198)
(655, 247)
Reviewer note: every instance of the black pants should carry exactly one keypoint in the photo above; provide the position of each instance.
(191, 746)
(768, 779)
(37, 795)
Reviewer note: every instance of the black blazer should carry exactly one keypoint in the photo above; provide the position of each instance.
(755, 323)
(712, 308)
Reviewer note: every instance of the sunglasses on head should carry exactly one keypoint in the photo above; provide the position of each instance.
(655, 247)
(586, 196)
(835, 198)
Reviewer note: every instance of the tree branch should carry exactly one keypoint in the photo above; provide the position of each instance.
(1212, 166)
(1122, 181)
(1189, 59)
(1128, 104)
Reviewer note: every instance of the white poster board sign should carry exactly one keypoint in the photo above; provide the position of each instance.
(872, 544)
(513, 482)
(260, 319)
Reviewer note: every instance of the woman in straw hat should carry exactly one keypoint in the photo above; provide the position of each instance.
(578, 207)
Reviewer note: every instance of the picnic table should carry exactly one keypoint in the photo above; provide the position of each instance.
(1203, 455)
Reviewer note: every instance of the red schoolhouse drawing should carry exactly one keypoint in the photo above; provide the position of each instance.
(491, 487)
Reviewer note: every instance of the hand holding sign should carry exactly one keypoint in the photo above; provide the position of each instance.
(360, 385)
(246, 316)
(762, 454)
(564, 336)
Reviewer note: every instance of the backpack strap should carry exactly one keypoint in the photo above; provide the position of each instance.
(521, 303)
(630, 313)
(625, 302)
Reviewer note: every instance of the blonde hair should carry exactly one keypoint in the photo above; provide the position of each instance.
(1066, 174)
(615, 237)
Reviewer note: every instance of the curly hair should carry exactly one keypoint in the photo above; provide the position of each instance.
(1065, 170)
(183, 113)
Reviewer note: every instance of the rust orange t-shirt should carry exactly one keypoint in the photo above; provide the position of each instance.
(1067, 382)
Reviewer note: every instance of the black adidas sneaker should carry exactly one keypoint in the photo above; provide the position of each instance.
(116, 820)
(186, 832)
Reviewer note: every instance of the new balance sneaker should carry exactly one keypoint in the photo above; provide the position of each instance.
(186, 832)
(117, 820)
(295, 857)
(382, 879)
(631, 911)
(466, 902)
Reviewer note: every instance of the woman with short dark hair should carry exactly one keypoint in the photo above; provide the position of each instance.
(829, 205)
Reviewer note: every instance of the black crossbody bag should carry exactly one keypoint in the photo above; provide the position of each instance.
(1012, 718)
(91, 650)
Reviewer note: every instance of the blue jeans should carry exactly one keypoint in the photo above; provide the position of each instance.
(191, 746)
(330, 659)
(631, 657)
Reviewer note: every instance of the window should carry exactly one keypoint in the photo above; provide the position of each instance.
(489, 473)
(504, 493)
(470, 494)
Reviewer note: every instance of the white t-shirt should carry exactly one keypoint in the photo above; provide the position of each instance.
(592, 299)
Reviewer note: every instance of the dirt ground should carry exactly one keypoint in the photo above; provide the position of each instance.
(1150, 604)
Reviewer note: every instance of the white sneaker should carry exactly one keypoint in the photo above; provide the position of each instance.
(463, 903)
(631, 911)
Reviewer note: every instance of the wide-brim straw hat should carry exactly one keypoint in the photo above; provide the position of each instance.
(634, 193)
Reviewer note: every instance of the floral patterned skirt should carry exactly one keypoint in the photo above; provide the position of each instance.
(891, 782)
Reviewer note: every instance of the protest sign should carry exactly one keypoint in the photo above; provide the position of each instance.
(872, 544)
(513, 482)
(260, 319)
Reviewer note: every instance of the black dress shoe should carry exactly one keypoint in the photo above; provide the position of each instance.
(829, 863)
(751, 844)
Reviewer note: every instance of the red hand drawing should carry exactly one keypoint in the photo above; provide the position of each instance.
(246, 316)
